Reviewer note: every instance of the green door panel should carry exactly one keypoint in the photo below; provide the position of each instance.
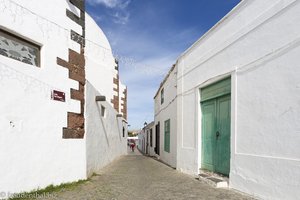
(223, 140)
(208, 129)
(215, 90)
(215, 106)
(167, 136)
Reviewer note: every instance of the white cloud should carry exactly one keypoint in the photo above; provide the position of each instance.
(153, 67)
(144, 60)
(97, 17)
(144, 63)
(122, 4)
(121, 17)
(120, 13)
(143, 82)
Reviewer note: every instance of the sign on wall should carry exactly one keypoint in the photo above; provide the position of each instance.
(58, 96)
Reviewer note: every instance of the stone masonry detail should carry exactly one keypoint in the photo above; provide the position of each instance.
(76, 67)
(124, 104)
(116, 82)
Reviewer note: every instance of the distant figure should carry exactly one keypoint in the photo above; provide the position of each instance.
(132, 146)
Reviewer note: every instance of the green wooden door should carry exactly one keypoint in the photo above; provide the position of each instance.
(216, 127)
(167, 136)
(223, 135)
(208, 130)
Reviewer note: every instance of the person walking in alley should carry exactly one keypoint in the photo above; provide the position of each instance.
(132, 146)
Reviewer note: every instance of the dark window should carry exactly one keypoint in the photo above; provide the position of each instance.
(162, 96)
(151, 137)
(123, 131)
(19, 49)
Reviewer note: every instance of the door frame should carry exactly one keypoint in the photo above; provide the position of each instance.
(232, 76)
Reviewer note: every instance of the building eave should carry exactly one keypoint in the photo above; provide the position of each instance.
(164, 80)
(215, 27)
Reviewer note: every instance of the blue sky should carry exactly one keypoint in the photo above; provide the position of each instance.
(147, 36)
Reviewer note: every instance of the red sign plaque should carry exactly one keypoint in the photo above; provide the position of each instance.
(58, 96)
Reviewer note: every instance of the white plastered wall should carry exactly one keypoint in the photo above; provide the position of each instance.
(32, 151)
(165, 111)
(104, 134)
(144, 137)
(257, 45)
(104, 138)
(100, 62)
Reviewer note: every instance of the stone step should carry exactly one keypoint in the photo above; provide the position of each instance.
(214, 180)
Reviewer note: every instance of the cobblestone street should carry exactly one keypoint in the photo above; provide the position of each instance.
(138, 177)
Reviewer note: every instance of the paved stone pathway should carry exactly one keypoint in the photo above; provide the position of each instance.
(138, 177)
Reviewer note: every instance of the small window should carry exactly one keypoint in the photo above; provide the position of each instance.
(103, 112)
(19, 49)
(123, 131)
(162, 96)
(167, 136)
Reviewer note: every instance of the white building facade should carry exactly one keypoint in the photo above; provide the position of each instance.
(54, 61)
(165, 119)
(238, 100)
(146, 138)
(106, 125)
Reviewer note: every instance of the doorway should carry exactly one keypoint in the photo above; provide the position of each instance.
(157, 138)
(147, 143)
(215, 106)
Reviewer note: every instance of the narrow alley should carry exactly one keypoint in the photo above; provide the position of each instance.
(208, 91)
(139, 177)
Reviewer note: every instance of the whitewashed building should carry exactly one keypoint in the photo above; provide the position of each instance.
(165, 115)
(60, 117)
(106, 126)
(238, 108)
(146, 138)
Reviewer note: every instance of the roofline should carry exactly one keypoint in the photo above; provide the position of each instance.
(165, 79)
(149, 125)
(212, 29)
